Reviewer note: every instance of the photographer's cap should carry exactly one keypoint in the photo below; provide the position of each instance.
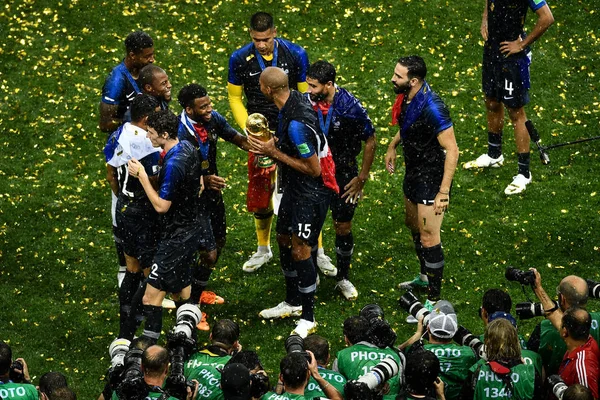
(443, 325)
(235, 382)
(445, 307)
(506, 316)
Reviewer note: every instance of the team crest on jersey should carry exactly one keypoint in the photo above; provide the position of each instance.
(155, 169)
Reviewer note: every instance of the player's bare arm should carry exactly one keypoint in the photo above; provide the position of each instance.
(136, 169)
(448, 142)
(108, 122)
(544, 20)
(353, 191)
(308, 166)
(391, 154)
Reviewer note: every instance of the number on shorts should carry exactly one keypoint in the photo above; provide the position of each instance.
(304, 231)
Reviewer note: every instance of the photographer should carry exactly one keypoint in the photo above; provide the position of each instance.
(49, 383)
(361, 355)
(504, 375)
(546, 338)
(454, 359)
(495, 304)
(319, 346)
(294, 374)
(14, 377)
(205, 364)
(259, 380)
(422, 369)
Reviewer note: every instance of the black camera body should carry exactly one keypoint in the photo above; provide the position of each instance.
(593, 288)
(259, 385)
(295, 344)
(16, 373)
(380, 332)
(557, 386)
(517, 275)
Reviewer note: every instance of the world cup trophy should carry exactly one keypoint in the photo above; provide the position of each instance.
(258, 126)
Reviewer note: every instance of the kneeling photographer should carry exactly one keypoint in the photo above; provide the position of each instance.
(14, 377)
(361, 356)
(504, 375)
(454, 359)
(546, 340)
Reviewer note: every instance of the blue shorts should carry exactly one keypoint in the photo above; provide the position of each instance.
(507, 80)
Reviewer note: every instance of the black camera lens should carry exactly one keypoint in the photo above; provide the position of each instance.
(295, 344)
(413, 306)
(594, 288)
(517, 275)
(528, 310)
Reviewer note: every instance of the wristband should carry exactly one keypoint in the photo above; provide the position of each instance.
(550, 311)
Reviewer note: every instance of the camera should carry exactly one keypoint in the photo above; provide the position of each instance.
(411, 304)
(464, 337)
(528, 310)
(259, 385)
(364, 388)
(557, 386)
(16, 372)
(295, 344)
(181, 342)
(132, 385)
(380, 332)
(517, 275)
(593, 288)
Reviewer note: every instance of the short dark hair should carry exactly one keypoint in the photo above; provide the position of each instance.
(137, 41)
(356, 328)
(142, 106)
(261, 21)
(63, 393)
(322, 71)
(226, 332)
(422, 369)
(51, 381)
(154, 364)
(319, 346)
(415, 65)
(248, 358)
(496, 300)
(5, 358)
(147, 75)
(164, 121)
(578, 392)
(294, 368)
(189, 93)
(578, 323)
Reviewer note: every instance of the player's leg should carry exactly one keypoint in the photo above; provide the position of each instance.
(292, 303)
(491, 78)
(118, 241)
(131, 283)
(153, 310)
(429, 229)
(323, 261)
(411, 221)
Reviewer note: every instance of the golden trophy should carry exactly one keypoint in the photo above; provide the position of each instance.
(258, 126)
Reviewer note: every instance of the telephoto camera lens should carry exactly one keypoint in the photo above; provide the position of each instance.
(517, 275)
(117, 351)
(594, 288)
(411, 304)
(188, 316)
(557, 386)
(528, 310)
(295, 344)
(380, 373)
(464, 337)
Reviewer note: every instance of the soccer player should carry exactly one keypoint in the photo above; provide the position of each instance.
(202, 126)
(430, 155)
(505, 78)
(245, 67)
(119, 90)
(155, 82)
(135, 215)
(177, 203)
(305, 199)
(346, 124)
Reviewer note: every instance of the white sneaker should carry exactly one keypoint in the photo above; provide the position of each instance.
(347, 289)
(518, 184)
(484, 161)
(168, 304)
(281, 310)
(304, 328)
(257, 260)
(325, 265)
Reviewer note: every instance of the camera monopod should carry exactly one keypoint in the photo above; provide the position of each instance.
(535, 137)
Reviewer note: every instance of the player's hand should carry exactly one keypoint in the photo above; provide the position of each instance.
(214, 182)
(510, 48)
(136, 169)
(390, 159)
(441, 203)
(354, 190)
(259, 147)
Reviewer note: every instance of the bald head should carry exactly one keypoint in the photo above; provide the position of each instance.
(274, 78)
(155, 361)
(574, 290)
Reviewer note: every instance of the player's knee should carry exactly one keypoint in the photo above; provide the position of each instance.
(429, 238)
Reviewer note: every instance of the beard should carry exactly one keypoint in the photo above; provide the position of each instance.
(316, 97)
(401, 89)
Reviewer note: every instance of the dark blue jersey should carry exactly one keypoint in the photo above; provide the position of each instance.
(299, 137)
(506, 20)
(216, 128)
(347, 127)
(245, 69)
(420, 123)
(120, 89)
(179, 182)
